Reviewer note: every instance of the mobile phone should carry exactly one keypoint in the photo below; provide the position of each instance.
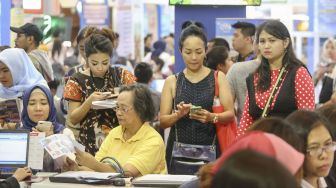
(106, 93)
(195, 109)
(44, 126)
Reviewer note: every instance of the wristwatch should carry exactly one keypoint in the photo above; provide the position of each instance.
(215, 119)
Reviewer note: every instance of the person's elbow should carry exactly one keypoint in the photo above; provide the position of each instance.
(73, 119)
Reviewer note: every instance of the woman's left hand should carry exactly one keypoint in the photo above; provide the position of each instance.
(48, 133)
(202, 115)
(85, 159)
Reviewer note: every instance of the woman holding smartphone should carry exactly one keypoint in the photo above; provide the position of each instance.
(195, 85)
(39, 114)
(91, 85)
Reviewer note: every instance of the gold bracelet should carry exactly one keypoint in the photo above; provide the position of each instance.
(215, 119)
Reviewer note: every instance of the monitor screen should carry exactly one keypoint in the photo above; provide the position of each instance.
(216, 2)
(14, 148)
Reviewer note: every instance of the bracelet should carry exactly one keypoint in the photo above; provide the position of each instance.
(215, 119)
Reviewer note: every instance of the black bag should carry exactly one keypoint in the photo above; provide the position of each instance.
(327, 89)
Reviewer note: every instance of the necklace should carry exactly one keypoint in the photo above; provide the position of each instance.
(94, 85)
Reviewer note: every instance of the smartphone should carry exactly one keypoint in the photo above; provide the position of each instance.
(195, 109)
(44, 126)
(106, 93)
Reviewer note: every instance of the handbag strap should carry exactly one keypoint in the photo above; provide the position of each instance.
(174, 102)
(216, 84)
(275, 88)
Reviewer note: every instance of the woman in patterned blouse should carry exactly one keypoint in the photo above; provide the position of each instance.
(87, 86)
(296, 88)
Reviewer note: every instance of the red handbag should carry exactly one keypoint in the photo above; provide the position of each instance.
(226, 132)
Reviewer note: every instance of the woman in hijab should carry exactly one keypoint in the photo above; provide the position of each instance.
(159, 52)
(17, 73)
(38, 105)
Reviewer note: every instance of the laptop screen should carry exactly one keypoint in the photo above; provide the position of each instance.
(14, 148)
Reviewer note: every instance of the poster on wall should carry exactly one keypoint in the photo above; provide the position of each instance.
(89, 14)
(124, 26)
(215, 2)
(327, 17)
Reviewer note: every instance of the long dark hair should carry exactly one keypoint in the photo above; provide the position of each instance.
(279, 31)
(56, 48)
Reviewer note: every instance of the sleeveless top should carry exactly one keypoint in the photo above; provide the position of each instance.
(191, 131)
(285, 101)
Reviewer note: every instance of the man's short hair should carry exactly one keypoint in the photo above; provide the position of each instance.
(247, 29)
(220, 42)
(143, 72)
(29, 29)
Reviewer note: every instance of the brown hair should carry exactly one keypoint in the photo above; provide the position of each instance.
(99, 40)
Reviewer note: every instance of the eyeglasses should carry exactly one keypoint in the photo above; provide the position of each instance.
(317, 151)
(122, 109)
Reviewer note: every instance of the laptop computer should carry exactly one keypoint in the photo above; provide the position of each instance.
(14, 147)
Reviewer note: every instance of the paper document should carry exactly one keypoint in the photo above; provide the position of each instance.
(36, 151)
(88, 174)
(58, 145)
(159, 178)
(104, 104)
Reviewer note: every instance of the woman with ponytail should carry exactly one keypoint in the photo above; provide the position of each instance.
(91, 85)
(281, 84)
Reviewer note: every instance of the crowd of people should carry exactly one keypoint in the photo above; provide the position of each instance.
(279, 138)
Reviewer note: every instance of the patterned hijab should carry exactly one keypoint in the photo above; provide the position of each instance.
(27, 123)
(23, 72)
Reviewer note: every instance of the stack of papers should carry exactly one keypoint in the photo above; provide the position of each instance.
(87, 174)
(83, 177)
(104, 104)
(158, 180)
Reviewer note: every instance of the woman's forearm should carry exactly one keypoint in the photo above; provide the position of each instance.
(167, 121)
(103, 167)
(80, 112)
(226, 116)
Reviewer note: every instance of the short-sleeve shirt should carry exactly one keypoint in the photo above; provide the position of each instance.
(145, 150)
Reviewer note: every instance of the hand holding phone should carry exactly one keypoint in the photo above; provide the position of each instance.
(194, 109)
(44, 126)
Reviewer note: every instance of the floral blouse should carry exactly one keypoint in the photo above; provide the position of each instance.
(97, 122)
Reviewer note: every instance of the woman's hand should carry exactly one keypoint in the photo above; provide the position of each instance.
(22, 173)
(202, 115)
(70, 165)
(98, 96)
(85, 159)
(182, 109)
(47, 132)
